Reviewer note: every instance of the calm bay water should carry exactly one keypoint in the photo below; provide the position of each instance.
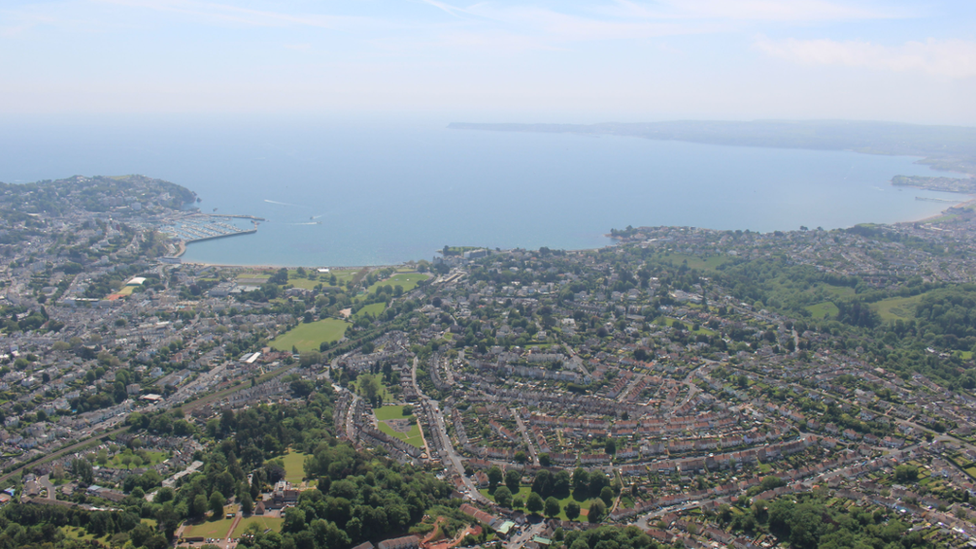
(368, 192)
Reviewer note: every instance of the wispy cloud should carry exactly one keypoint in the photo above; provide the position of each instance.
(783, 10)
(552, 26)
(948, 58)
(572, 27)
(15, 22)
(236, 15)
(457, 12)
(802, 11)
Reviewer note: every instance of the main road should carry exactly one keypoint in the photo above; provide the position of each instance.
(448, 454)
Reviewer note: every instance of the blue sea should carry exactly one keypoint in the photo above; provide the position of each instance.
(342, 192)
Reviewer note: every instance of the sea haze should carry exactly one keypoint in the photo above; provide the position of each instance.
(341, 192)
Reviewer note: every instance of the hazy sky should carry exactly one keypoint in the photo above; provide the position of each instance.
(569, 60)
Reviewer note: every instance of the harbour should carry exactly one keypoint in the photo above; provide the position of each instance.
(202, 227)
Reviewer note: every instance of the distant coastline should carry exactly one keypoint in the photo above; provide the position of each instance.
(944, 148)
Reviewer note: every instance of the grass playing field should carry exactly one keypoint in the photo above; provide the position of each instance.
(216, 529)
(294, 467)
(263, 523)
(386, 413)
(308, 337)
(897, 307)
(409, 281)
(373, 309)
(826, 309)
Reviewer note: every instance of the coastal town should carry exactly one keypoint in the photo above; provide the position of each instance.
(683, 386)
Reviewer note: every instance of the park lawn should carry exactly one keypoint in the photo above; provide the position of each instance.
(384, 413)
(895, 308)
(412, 438)
(251, 274)
(825, 309)
(263, 522)
(344, 275)
(294, 466)
(154, 456)
(524, 492)
(694, 262)
(308, 337)
(409, 281)
(305, 283)
(373, 309)
(390, 412)
(216, 529)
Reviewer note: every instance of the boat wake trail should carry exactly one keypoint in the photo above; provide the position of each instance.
(281, 203)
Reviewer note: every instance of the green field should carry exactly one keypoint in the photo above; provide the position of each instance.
(308, 337)
(409, 281)
(294, 467)
(342, 276)
(304, 282)
(384, 391)
(385, 413)
(524, 492)
(263, 523)
(826, 309)
(695, 262)
(373, 309)
(839, 291)
(895, 308)
(216, 529)
(390, 412)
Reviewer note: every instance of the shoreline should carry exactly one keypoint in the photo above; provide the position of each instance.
(276, 267)
(614, 241)
(971, 201)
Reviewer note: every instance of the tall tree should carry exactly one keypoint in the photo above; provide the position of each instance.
(494, 477)
(217, 502)
(503, 496)
(597, 510)
(513, 478)
(552, 507)
(572, 510)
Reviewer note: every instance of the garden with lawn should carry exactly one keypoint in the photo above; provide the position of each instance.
(294, 463)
